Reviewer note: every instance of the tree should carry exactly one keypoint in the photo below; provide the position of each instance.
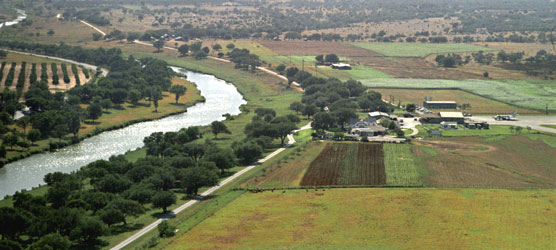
(281, 68)
(283, 129)
(183, 49)
(216, 46)
(248, 152)
(106, 104)
(73, 122)
(230, 46)
(222, 158)
(291, 72)
(219, 127)
(156, 95)
(410, 107)
(343, 115)
(34, 135)
(60, 131)
(52, 241)
(10, 140)
(323, 121)
(200, 55)
(126, 207)
(14, 222)
(178, 90)
(197, 177)
(319, 59)
(309, 110)
(206, 50)
(94, 111)
(165, 229)
(111, 215)
(132, 36)
(3, 151)
(88, 230)
(163, 200)
(134, 96)
(159, 44)
(118, 96)
(297, 107)
(196, 47)
(332, 58)
(24, 122)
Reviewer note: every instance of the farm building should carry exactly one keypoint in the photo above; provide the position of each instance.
(456, 117)
(377, 115)
(370, 131)
(440, 104)
(449, 125)
(344, 66)
(452, 117)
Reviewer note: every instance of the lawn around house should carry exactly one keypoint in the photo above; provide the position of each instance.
(420, 49)
(378, 218)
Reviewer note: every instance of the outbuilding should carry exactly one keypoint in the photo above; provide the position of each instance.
(440, 104)
(452, 117)
(343, 66)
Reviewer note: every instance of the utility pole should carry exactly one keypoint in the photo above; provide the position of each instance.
(547, 109)
(302, 64)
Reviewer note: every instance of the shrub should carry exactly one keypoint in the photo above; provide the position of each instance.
(485, 74)
(165, 229)
(65, 72)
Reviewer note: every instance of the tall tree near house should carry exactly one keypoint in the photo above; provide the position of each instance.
(159, 44)
(178, 90)
(183, 49)
(219, 127)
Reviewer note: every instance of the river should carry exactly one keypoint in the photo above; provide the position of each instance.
(221, 98)
(20, 17)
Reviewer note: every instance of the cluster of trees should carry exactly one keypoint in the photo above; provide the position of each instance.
(91, 15)
(332, 103)
(330, 58)
(244, 59)
(451, 60)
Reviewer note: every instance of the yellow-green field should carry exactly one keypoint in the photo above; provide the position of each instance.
(380, 219)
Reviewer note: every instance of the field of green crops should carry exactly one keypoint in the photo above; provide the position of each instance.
(419, 49)
(522, 93)
(402, 168)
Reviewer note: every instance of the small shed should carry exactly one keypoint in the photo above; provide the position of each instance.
(449, 125)
(452, 117)
(377, 115)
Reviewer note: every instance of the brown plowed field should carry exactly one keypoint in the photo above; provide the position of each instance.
(400, 67)
(511, 162)
(347, 164)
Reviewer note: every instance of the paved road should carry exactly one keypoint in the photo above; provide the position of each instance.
(85, 65)
(534, 122)
(145, 230)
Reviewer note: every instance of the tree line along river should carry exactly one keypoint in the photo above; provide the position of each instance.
(221, 98)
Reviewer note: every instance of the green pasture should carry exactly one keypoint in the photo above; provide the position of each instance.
(420, 49)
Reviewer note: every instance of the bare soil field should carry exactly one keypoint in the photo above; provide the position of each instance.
(347, 164)
(479, 105)
(496, 162)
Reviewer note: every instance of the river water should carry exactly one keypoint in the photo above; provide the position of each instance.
(221, 98)
(20, 17)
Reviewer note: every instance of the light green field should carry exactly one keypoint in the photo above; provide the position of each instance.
(522, 93)
(402, 167)
(495, 130)
(356, 73)
(420, 49)
(379, 219)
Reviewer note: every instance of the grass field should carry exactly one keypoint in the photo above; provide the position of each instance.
(525, 161)
(69, 32)
(347, 164)
(523, 93)
(479, 105)
(494, 130)
(419, 49)
(549, 126)
(379, 219)
(402, 166)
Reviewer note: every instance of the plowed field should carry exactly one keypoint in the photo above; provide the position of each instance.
(347, 164)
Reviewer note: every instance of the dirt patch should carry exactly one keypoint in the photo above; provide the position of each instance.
(347, 164)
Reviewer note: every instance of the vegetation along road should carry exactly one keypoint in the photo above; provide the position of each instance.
(145, 230)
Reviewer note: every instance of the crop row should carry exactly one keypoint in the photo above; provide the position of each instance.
(55, 78)
(65, 72)
(402, 167)
(33, 77)
(2, 70)
(75, 74)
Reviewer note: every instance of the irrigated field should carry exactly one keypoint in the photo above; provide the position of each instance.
(499, 162)
(479, 105)
(364, 218)
(402, 167)
(347, 164)
(527, 94)
(420, 49)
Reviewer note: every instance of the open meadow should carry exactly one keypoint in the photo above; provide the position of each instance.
(379, 218)
(478, 104)
(529, 94)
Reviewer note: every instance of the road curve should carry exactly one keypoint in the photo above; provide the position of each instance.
(145, 230)
(85, 65)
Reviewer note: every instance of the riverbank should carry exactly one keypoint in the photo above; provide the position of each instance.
(116, 118)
